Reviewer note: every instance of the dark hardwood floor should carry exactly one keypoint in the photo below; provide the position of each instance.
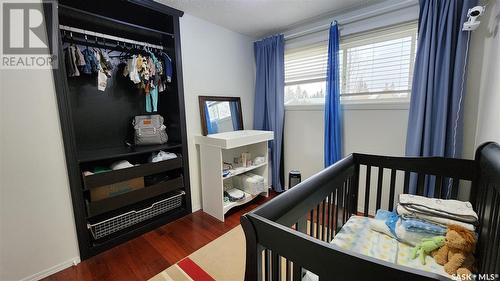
(152, 252)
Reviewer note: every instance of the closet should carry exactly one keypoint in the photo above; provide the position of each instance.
(113, 204)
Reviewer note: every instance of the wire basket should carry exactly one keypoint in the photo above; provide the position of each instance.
(114, 224)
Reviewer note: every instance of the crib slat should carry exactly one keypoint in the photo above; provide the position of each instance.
(267, 265)
(348, 197)
(392, 188)
(340, 196)
(420, 184)
(311, 223)
(288, 268)
(367, 188)
(344, 203)
(301, 225)
(438, 187)
(276, 266)
(329, 207)
(379, 186)
(297, 272)
(336, 217)
(355, 189)
(316, 235)
(454, 188)
(406, 187)
(332, 223)
(323, 220)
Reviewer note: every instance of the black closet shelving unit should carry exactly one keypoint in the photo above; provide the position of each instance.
(97, 126)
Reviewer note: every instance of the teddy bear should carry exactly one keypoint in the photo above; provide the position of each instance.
(457, 253)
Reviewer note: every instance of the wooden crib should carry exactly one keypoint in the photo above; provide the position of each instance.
(291, 233)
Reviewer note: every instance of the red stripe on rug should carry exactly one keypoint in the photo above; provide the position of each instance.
(194, 271)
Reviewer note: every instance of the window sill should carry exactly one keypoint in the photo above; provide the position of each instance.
(355, 105)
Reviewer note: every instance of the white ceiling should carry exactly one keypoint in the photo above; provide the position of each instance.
(257, 18)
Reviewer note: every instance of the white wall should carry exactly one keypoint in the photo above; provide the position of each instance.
(375, 129)
(485, 79)
(216, 62)
(37, 232)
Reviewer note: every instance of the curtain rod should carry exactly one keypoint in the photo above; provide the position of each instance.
(110, 37)
(358, 17)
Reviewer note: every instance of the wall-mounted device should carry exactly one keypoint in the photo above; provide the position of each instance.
(473, 14)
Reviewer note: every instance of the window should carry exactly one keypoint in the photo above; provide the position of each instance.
(375, 65)
(219, 110)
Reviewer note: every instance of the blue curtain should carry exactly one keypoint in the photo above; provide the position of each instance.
(333, 114)
(235, 116)
(435, 123)
(269, 109)
(212, 127)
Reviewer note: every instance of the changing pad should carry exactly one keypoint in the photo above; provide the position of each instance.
(357, 236)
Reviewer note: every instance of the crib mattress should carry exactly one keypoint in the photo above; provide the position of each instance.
(357, 236)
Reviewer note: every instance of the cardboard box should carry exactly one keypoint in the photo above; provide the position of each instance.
(107, 191)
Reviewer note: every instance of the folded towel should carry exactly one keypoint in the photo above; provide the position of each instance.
(403, 211)
(422, 226)
(450, 209)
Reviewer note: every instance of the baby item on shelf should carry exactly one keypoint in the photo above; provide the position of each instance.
(234, 194)
(122, 164)
(245, 157)
(250, 183)
(259, 160)
(162, 156)
(226, 169)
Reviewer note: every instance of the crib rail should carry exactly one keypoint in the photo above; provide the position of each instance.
(291, 232)
(441, 175)
(488, 208)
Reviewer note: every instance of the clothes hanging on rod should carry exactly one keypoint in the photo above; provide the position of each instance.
(149, 67)
(107, 36)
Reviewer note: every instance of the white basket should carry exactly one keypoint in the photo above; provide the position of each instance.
(114, 224)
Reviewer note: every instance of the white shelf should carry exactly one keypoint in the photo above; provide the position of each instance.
(248, 197)
(242, 170)
(229, 140)
(225, 147)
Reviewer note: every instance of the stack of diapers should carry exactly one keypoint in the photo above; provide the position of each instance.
(407, 230)
(437, 211)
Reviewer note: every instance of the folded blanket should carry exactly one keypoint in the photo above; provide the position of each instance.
(421, 226)
(450, 209)
(403, 211)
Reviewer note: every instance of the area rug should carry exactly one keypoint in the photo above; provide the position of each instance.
(222, 259)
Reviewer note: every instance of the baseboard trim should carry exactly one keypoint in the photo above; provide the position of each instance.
(49, 271)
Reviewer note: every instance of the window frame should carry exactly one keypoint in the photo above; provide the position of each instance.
(409, 29)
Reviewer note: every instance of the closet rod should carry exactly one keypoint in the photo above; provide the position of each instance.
(106, 36)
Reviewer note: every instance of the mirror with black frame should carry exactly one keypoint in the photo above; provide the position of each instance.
(220, 114)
